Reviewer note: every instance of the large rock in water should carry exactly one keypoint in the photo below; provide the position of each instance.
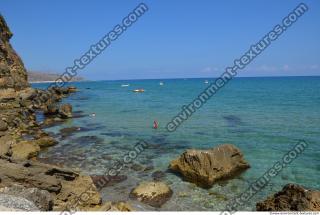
(65, 111)
(152, 193)
(291, 198)
(205, 167)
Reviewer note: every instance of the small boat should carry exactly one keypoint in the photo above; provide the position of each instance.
(206, 82)
(161, 83)
(138, 90)
(125, 85)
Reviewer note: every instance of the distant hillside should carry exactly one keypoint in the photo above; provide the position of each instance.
(46, 77)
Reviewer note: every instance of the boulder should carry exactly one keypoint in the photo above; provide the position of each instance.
(41, 198)
(51, 109)
(24, 150)
(154, 194)
(205, 167)
(291, 198)
(65, 111)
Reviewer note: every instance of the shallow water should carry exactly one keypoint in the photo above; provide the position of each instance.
(264, 117)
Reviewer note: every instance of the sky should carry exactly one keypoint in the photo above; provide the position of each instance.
(173, 39)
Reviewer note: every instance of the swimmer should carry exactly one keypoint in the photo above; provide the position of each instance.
(155, 124)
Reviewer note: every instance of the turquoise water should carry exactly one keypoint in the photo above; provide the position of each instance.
(264, 117)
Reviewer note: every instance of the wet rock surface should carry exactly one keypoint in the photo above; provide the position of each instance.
(154, 194)
(205, 167)
(291, 198)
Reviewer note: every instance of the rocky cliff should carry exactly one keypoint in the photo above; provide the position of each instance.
(12, 71)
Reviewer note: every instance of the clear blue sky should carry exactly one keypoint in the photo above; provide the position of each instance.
(173, 39)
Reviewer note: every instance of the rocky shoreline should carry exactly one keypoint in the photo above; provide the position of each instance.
(26, 184)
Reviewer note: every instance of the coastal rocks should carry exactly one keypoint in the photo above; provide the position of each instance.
(16, 203)
(41, 198)
(152, 193)
(64, 185)
(24, 150)
(51, 109)
(291, 198)
(205, 167)
(65, 111)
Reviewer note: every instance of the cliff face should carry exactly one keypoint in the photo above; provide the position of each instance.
(12, 71)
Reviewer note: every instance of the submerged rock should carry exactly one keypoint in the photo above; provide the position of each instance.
(152, 193)
(205, 167)
(158, 175)
(291, 198)
(65, 111)
(105, 180)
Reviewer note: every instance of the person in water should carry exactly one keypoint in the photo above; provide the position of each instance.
(155, 124)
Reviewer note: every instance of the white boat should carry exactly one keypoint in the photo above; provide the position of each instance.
(206, 82)
(138, 90)
(125, 85)
(161, 83)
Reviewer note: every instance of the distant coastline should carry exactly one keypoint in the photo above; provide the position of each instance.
(43, 77)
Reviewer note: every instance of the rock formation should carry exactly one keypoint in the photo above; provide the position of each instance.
(291, 198)
(205, 167)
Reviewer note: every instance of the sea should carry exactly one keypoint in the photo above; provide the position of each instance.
(264, 117)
